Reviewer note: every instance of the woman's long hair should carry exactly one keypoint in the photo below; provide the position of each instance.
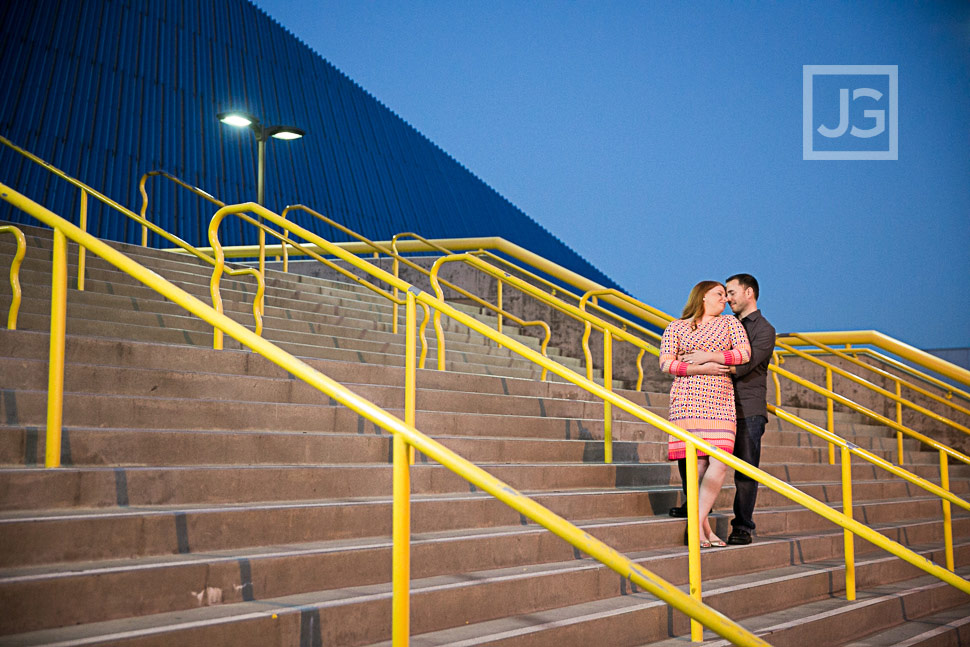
(694, 309)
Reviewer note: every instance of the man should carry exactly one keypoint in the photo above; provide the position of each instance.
(750, 397)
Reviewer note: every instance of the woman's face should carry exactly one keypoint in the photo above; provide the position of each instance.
(714, 301)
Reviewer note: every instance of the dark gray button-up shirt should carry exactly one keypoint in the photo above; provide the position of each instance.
(751, 379)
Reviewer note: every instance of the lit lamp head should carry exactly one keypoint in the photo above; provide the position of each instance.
(237, 119)
(285, 132)
(244, 120)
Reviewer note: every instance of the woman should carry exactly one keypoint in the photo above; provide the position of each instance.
(699, 350)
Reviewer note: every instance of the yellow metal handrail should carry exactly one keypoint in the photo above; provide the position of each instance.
(144, 196)
(652, 315)
(437, 247)
(846, 402)
(432, 449)
(18, 258)
(498, 309)
(221, 261)
(436, 284)
(333, 223)
(145, 223)
(851, 354)
(404, 433)
(897, 398)
(555, 290)
(382, 249)
(693, 443)
(894, 346)
(610, 331)
(631, 304)
(587, 329)
(949, 389)
(943, 450)
(831, 369)
(847, 449)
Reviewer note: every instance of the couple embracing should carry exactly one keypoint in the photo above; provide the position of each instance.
(720, 364)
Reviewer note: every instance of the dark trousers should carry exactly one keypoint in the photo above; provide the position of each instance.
(747, 447)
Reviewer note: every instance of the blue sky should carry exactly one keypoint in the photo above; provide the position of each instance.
(663, 141)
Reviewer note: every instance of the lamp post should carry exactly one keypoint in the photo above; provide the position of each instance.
(244, 120)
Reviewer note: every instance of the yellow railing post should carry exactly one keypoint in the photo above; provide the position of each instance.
(587, 331)
(262, 254)
(899, 420)
(262, 250)
(215, 294)
(401, 558)
(403, 459)
(498, 299)
(55, 379)
(774, 376)
(397, 295)
(693, 540)
(410, 369)
(640, 368)
(81, 251)
(144, 226)
(440, 335)
(947, 519)
(286, 253)
(18, 259)
(848, 536)
(607, 407)
(830, 414)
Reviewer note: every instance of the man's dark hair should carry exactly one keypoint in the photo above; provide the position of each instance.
(746, 281)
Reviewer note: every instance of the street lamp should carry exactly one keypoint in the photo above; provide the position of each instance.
(243, 120)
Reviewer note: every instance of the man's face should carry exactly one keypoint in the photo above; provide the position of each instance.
(738, 296)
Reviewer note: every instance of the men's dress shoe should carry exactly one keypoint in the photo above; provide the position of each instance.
(680, 512)
(739, 537)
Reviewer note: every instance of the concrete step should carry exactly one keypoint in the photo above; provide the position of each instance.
(638, 619)
(568, 401)
(139, 355)
(36, 536)
(177, 329)
(120, 446)
(256, 493)
(281, 424)
(359, 615)
(29, 488)
(287, 292)
(178, 266)
(275, 571)
(284, 315)
(134, 382)
(880, 612)
(949, 627)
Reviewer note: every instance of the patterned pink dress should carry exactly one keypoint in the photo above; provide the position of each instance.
(703, 404)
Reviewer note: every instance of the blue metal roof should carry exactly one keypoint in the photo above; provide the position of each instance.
(107, 90)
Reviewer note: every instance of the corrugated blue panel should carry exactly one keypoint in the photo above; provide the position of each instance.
(111, 89)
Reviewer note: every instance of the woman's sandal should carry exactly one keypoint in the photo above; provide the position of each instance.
(705, 544)
(717, 543)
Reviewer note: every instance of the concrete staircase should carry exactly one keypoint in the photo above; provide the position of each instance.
(207, 498)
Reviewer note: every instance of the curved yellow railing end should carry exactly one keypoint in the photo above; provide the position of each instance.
(18, 259)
